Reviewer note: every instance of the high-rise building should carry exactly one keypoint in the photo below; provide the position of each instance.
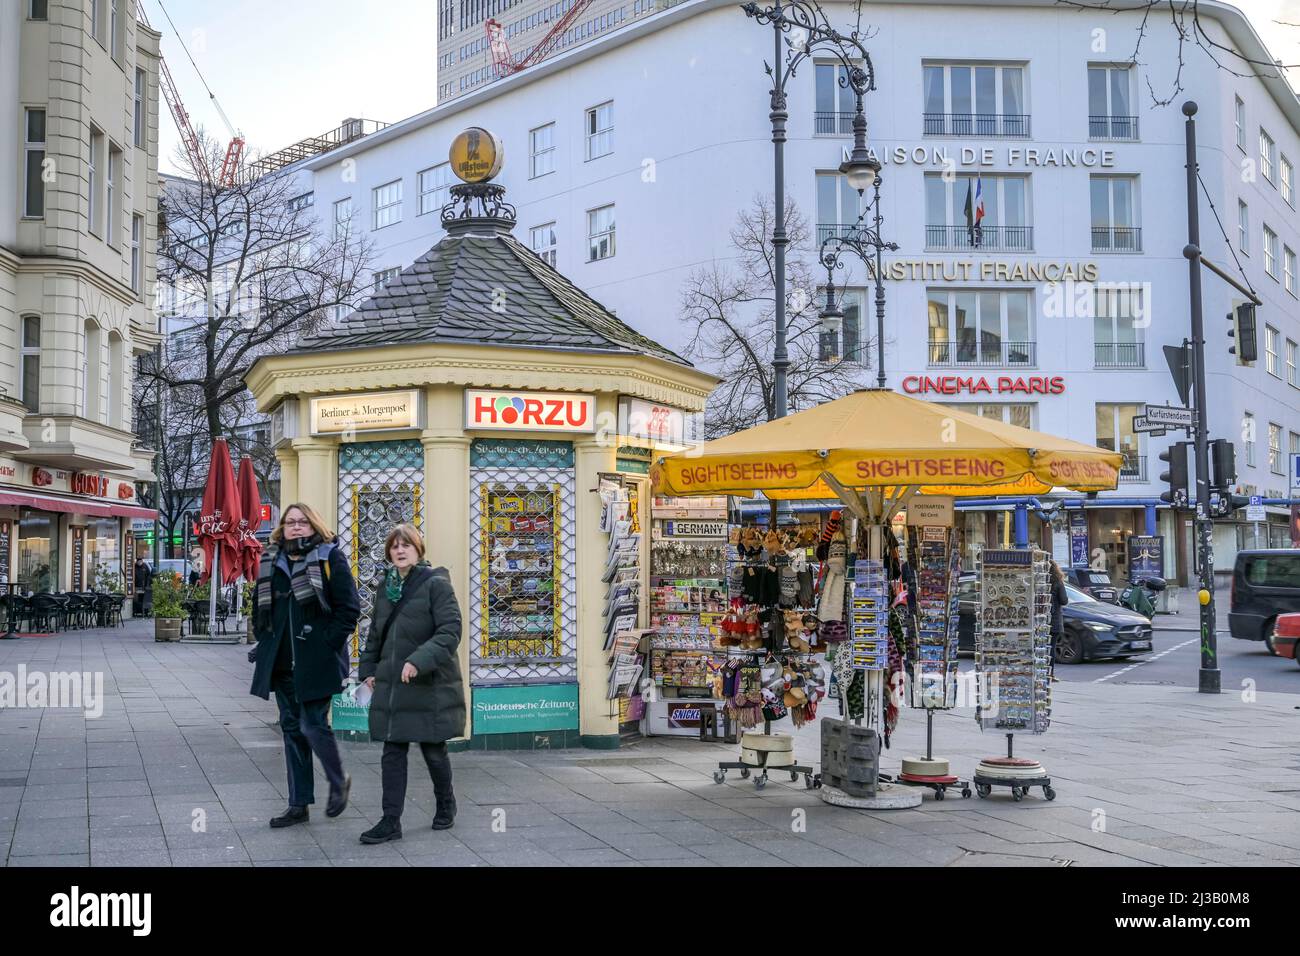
(78, 224)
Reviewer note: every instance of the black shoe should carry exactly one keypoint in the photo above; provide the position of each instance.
(446, 814)
(388, 828)
(339, 801)
(290, 817)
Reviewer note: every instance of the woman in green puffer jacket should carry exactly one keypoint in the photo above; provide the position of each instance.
(411, 665)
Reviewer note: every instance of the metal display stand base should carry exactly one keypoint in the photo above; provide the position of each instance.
(888, 796)
(1019, 774)
(811, 779)
(939, 785)
(938, 780)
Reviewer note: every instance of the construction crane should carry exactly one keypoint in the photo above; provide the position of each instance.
(506, 64)
(190, 139)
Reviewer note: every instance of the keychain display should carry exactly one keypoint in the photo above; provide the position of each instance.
(1013, 639)
(932, 648)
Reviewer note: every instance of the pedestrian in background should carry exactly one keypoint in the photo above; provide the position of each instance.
(306, 607)
(410, 664)
(1059, 600)
(143, 578)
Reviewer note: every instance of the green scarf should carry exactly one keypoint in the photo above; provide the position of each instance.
(393, 581)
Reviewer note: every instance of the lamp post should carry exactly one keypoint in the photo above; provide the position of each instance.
(861, 170)
(803, 27)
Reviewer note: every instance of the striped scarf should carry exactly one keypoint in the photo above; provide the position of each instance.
(306, 578)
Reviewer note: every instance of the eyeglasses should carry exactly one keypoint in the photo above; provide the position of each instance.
(295, 523)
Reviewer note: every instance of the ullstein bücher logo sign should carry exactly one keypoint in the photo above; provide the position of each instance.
(369, 412)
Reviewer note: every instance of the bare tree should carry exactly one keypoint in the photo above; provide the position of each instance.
(730, 307)
(262, 272)
(1184, 18)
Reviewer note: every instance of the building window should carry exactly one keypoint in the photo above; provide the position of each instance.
(116, 27)
(1020, 415)
(1266, 154)
(96, 181)
(979, 327)
(1118, 317)
(387, 202)
(600, 233)
(1288, 268)
(137, 260)
(1291, 365)
(29, 385)
(542, 240)
(1115, 433)
(34, 164)
(1248, 438)
(113, 200)
(1110, 103)
(834, 106)
(1295, 443)
(838, 206)
(1270, 251)
(1275, 449)
(38, 551)
(1243, 227)
(952, 210)
(852, 346)
(541, 148)
(116, 401)
(385, 278)
(90, 372)
(1270, 351)
(342, 218)
(1287, 178)
(1241, 124)
(975, 100)
(600, 130)
(435, 188)
(97, 26)
(1115, 226)
(38, 9)
(299, 203)
(140, 117)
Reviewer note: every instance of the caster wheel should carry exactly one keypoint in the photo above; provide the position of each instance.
(939, 794)
(719, 776)
(793, 776)
(1049, 793)
(965, 793)
(760, 782)
(808, 782)
(744, 773)
(1017, 794)
(983, 789)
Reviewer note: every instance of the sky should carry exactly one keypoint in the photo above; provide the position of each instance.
(289, 69)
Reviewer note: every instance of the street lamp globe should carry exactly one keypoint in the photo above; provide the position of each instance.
(861, 169)
(832, 320)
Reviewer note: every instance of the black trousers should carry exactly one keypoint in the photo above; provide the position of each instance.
(393, 766)
(306, 729)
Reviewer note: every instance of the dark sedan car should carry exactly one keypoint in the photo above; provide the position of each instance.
(1096, 583)
(1093, 629)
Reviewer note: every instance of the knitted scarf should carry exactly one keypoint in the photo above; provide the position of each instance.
(305, 575)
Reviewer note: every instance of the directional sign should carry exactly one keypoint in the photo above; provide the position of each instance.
(1143, 424)
(1255, 510)
(1295, 475)
(1170, 416)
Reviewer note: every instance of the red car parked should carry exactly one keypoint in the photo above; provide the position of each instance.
(1286, 632)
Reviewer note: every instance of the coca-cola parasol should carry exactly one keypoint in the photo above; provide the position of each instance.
(217, 529)
(250, 518)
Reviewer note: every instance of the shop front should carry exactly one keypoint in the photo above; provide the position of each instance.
(487, 413)
(64, 531)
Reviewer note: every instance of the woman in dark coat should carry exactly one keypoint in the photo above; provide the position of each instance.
(306, 607)
(411, 665)
(1059, 600)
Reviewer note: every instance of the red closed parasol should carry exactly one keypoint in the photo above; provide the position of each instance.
(250, 519)
(218, 525)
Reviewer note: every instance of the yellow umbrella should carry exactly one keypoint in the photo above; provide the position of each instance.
(888, 444)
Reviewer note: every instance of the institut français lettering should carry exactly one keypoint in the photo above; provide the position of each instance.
(934, 270)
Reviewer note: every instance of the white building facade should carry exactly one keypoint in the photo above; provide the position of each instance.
(78, 213)
(630, 157)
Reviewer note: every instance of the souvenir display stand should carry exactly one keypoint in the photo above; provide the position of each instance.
(1013, 640)
(932, 647)
(773, 633)
(620, 518)
(688, 600)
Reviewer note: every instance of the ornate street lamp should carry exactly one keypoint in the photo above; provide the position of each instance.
(802, 27)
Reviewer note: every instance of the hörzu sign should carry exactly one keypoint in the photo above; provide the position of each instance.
(490, 410)
(366, 412)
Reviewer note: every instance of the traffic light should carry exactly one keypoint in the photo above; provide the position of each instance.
(1176, 476)
(1223, 465)
(1243, 330)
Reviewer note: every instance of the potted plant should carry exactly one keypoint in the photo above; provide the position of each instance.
(167, 610)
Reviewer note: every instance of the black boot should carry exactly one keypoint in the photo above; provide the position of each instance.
(339, 801)
(388, 828)
(446, 814)
(290, 817)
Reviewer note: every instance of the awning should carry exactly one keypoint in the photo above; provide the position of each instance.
(81, 506)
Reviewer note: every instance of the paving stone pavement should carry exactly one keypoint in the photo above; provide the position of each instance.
(184, 768)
